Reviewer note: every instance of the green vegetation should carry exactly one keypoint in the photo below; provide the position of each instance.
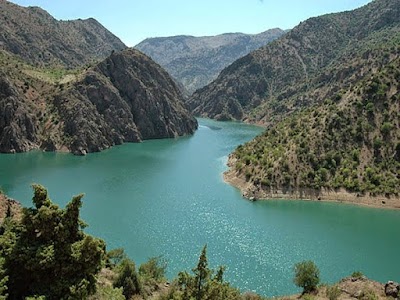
(47, 253)
(333, 292)
(351, 145)
(306, 276)
(44, 254)
(128, 279)
(153, 271)
(357, 274)
(203, 284)
(28, 73)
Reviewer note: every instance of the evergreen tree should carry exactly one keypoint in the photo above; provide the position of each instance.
(202, 286)
(128, 279)
(202, 274)
(51, 255)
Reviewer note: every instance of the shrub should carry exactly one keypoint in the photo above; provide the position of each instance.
(357, 274)
(154, 268)
(368, 295)
(333, 292)
(128, 279)
(115, 256)
(306, 276)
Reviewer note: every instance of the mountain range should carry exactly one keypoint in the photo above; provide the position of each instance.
(196, 61)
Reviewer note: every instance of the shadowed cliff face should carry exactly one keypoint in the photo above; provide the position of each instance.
(40, 39)
(18, 125)
(125, 98)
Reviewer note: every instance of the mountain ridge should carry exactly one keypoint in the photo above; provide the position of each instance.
(196, 61)
(331, 129)
(38, 38)
(293, 59)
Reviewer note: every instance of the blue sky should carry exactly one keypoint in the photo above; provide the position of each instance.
(134, 20)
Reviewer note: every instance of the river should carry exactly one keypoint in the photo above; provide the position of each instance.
(167, 197)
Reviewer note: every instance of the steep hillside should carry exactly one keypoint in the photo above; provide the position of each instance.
(39, 39)
(328, 93)
(128, 98)
(346, 148)
(125, 98)
(284, 75)
(196, 61)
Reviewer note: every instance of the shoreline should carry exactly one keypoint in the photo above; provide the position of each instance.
(253, 193)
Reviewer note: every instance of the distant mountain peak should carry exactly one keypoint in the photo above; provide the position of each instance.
(196, 61)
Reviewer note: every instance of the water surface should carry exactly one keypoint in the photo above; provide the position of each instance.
(167, 197)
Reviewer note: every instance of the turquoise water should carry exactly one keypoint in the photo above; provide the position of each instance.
(167, 197)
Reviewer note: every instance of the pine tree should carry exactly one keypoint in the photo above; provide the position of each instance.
(51, 255)
(202, 274)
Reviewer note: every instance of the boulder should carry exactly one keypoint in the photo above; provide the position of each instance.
(392, 289)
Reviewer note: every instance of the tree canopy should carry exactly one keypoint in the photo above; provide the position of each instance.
(47, 253)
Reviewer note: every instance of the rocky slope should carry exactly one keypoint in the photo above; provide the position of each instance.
(196, 61)
(335, 134)
(40, 39)
(46, 103)
(282, 76)
(18, 128)
(125, 98)
(347, 148)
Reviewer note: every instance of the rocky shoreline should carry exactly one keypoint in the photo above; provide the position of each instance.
(255, 193)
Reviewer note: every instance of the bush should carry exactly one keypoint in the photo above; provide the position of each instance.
(368, 295)
(333, 292)
(115, 256)
(357, 274)
(154, 269)
(128, 279)
(306, 276)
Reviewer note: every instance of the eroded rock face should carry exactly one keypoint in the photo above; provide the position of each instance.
(125, 98)
(18, 126)
(392, 289)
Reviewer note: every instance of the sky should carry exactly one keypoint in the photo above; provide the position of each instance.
(135, 20)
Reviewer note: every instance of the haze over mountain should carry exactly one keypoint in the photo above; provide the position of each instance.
(125, 98)
(38, 38)
(329, 93)
(196, 61)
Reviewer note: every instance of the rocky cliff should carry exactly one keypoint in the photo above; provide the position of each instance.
(38, 38)
(51, 100)
(196, 61)
(18, 125)
(125, 98)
